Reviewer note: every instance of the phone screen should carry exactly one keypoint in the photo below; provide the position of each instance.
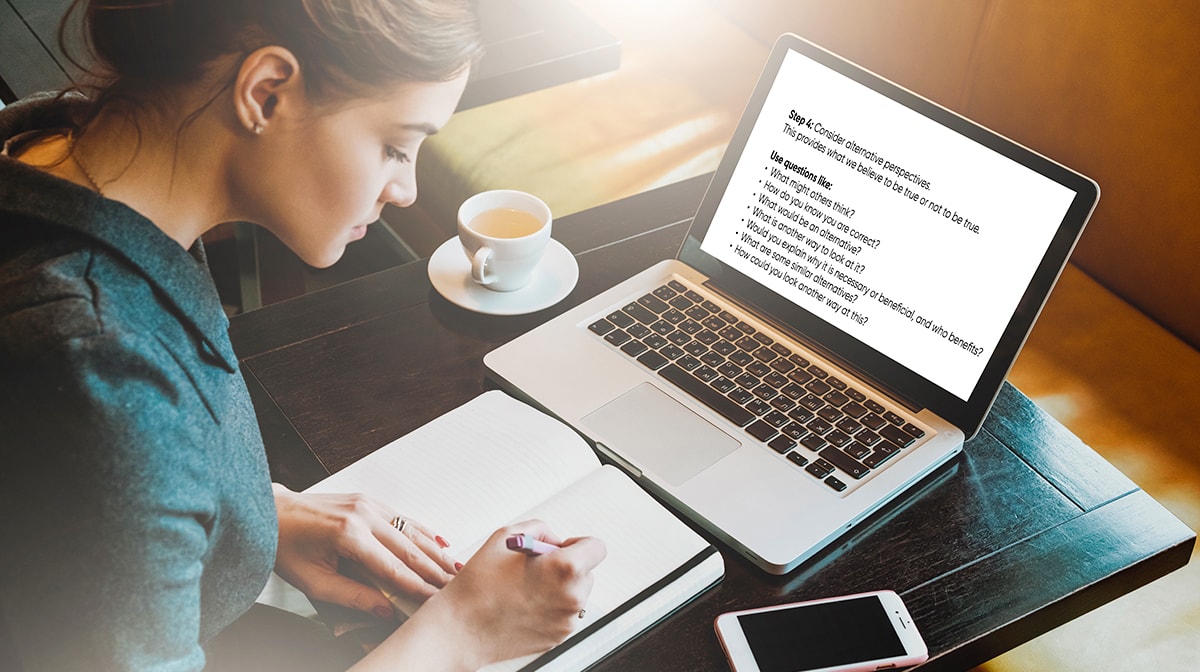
(821, 635)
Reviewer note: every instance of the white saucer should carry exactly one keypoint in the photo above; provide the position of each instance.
(552, 281)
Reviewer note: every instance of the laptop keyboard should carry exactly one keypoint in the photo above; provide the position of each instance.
(821, 424)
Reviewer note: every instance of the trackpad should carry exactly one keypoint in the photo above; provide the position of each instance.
(659, 434)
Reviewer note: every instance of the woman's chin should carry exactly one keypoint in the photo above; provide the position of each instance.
(323, 258)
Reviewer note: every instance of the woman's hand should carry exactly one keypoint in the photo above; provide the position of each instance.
(501, 605)
(317, 531)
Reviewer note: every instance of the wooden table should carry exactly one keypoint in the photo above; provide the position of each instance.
(1028, 529)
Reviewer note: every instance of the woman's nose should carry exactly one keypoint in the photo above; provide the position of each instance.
(400, 192)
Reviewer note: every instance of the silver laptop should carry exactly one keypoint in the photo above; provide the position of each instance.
(855, 286)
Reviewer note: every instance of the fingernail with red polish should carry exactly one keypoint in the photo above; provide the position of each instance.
(385, 613)
(441, 541)
(458, 566)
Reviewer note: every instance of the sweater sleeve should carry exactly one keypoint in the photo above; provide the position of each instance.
(107, 511)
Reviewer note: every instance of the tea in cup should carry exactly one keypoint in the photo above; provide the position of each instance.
(504, 234)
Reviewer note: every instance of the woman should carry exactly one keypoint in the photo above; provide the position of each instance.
(139, 522)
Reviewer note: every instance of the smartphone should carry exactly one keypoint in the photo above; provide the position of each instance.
(852, 633)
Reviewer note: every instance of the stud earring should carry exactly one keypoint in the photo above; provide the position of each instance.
(258, 129)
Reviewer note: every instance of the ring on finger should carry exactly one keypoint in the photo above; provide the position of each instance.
(399, 522)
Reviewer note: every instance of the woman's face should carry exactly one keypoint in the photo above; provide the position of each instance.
(318, 178)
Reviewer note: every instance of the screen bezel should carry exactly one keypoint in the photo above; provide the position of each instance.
(836, 344)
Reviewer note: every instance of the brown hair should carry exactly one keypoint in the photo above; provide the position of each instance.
(347, 48)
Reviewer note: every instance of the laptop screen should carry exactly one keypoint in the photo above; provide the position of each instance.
(902, 238)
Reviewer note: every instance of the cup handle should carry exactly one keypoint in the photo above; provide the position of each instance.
(479, 264)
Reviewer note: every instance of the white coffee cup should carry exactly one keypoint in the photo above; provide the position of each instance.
(504, 234)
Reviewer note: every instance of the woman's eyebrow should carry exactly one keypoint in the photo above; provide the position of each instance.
(420, 127)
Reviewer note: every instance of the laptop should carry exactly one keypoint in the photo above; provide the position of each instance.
(855, 286)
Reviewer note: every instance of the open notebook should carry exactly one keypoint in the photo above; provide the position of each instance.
(494, 461)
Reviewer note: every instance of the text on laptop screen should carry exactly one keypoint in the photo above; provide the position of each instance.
(904, 234)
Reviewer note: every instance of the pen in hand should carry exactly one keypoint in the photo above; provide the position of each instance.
(528, 545)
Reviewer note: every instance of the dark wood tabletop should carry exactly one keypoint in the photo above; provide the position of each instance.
(1028, 529)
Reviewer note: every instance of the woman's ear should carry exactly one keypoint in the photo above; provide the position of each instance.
(268, 81)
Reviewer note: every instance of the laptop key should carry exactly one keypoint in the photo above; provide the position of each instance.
(820, 468)
(671, 352)
(674, 316)
(797, 459)
(813, 442)
(662, 327)
(729, 370)
(665, 293)
(710, 397)
(835, 483)
(722, 384)
(761, 430)
(794, 430)
(877, 458)
(800, 376)
(740, 395)
(896, 435)
(854, 409)
(800, 415)
(783, 365)
(758, 406)
(842, 461)
(730, 333)
(640, 313)
(601, 327)
(634, 348)
(747, 381)
(679, 338)
(681, 303)
(757, 368)
(652, 360)
(654, 303)
(723, 347)
(838, 438)
(782, 404)
(817, 387)
(620, 319)
(740, 358)
(617, 337)
(836, 398)
(781, 444)
(873, 421)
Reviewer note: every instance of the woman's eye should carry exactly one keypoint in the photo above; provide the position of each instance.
(394, 154)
